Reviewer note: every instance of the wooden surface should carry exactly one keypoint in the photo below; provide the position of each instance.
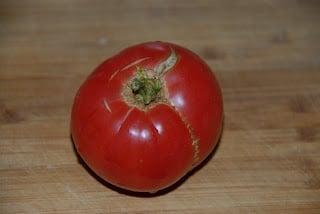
(266, 55)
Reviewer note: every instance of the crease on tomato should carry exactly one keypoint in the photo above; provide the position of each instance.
(106, 105)
(129, 65)
(194, 138)
(113, 75)
(126, 116)
(134, 63)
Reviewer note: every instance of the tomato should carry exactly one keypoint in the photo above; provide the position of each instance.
(147, 116)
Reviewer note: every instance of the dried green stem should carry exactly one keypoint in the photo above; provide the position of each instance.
(144, 87)
(148, 84)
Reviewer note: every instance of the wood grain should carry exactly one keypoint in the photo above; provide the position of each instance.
(265, 54)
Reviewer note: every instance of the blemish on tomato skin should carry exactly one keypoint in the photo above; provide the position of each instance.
(113, 75)
(194, 138)
(106, 105)
(125, 118)
(195, 144)
(131, 64)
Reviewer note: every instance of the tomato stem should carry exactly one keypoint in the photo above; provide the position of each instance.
(148, 84)
(144, 87)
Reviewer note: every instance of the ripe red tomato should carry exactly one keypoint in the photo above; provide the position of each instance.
(147, 116)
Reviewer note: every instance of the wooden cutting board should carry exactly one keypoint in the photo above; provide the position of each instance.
(265, 54)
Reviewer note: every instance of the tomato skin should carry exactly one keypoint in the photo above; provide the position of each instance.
(147, 150)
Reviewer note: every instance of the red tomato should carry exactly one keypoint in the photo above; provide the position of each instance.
(147, 116)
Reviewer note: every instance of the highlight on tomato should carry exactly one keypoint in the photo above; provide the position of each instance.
(147, 116)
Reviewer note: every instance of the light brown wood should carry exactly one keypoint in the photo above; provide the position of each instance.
(265, 54)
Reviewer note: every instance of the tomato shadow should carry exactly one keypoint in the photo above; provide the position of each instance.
(145, 194)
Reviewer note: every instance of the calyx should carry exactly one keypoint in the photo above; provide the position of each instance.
(148, 83)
